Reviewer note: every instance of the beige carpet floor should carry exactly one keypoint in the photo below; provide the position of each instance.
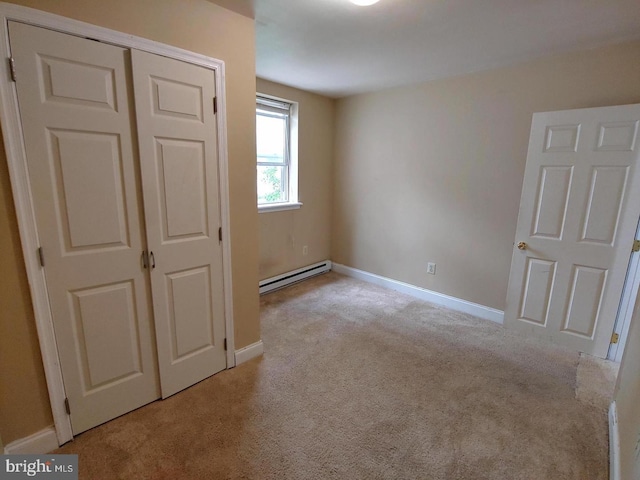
(360, 382)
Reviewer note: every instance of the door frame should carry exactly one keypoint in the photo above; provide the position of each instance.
(627, 304)
(21, 189)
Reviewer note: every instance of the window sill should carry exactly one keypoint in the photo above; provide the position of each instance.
(278, 207)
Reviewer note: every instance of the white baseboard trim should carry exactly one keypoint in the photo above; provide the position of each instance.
(453, 303)
(250, 351)
(614, 443)
(41, 442)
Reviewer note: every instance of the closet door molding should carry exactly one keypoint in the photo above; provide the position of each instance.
(17, 165)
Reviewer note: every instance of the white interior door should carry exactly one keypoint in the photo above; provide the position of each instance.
(76, 115)
(578, 214)
(177, 130)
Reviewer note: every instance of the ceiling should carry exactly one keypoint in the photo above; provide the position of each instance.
(243, 7)
(337, 49)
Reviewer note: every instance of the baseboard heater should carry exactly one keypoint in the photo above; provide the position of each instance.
(280, 281)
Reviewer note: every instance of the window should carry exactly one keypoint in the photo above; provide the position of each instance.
(276, 141)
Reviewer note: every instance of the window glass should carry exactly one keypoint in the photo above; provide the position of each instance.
(273, 121)
(271, 180)
(271, 136)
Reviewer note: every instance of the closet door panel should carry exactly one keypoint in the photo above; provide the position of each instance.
(178, 155)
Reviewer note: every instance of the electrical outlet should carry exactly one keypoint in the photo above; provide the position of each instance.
(305, 250)
(431, 268)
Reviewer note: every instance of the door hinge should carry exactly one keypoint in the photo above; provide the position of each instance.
(636, 246)
(41, 256)
(225, 344)
(12, 69)
(215, 105)
(66, 406)
(615, 338)
(220, 234)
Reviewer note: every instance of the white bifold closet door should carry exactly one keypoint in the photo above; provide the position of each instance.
(115, 174)
(176, 126)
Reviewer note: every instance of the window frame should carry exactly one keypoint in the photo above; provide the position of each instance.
(276, 107)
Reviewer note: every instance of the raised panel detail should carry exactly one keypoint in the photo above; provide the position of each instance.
(190, 312)
(76, 83)
(106, 328)
(604, 204)
(562, 138)
(177, 100)
(584, 301)
(539, 276)
(619, 136)
(89, 189)
(551, 205)
(182, 169)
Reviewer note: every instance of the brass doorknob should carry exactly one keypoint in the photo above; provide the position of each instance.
(522, 246)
